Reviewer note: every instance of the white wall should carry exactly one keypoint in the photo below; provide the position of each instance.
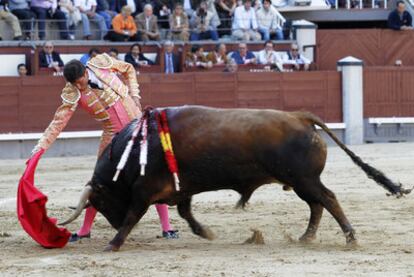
(9, 64)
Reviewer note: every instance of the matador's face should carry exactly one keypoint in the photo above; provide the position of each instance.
(82, 82)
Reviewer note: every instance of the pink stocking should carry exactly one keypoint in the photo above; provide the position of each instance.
(88, 221)
(162, 210)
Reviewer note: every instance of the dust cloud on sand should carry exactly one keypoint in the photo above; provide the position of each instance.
(384, 226)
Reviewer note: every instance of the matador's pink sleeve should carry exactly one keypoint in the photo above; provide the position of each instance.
(70, 97)
(127, 71)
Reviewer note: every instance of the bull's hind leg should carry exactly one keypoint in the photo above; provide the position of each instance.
(316, 210)
(184, 210)
(318, 197)
(132, 217)
(330, 203)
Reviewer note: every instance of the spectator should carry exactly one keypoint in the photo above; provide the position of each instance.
(219, 55)
(294, 58)
(10, 19)
(171, 60)
(48, 58)
(245, 23)
(22, 70)
(267, 19)
(21, 9)
(231, 66)
(113, 52)
(179, 24)
(102, 8)
(225, 10)
(400, 19)
(136, 58)
(155, 4)
(47, 9)
(196, 58)
(204, 28)
(124, 27)
(243, 56)
(72, 14)
(268, 56)
(92, 53)
(148, 24)
(165, 13)
(87, 9)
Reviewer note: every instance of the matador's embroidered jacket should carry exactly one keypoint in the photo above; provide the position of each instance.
(111, 103)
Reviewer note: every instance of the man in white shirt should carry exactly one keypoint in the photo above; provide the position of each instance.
(294, 58)
(268, 21)
(87, 9)
(268, 56)
(244, 23)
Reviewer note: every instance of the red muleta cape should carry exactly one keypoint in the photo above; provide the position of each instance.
(31, 210)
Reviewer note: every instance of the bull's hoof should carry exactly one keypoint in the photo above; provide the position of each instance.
(307, 238)
(351, 240)
(111, 248)
(207, 233)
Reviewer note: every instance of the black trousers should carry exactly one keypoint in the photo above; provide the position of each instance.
(114, 36)
(27, 16)
(58, 15)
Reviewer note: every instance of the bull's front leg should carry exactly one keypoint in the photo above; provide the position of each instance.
(184, 210)
(132, 217)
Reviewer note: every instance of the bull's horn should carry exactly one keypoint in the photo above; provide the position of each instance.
(82, 202)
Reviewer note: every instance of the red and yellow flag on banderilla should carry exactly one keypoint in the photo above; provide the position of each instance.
(165, 138)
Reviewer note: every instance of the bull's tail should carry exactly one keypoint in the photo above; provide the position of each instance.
(372, 173)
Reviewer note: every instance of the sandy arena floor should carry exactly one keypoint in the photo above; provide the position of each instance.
(384, 225)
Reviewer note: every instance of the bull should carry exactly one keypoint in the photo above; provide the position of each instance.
(238, 149)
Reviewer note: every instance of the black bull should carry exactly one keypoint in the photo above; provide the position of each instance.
(236, 149)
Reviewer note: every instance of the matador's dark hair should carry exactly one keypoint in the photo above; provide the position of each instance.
(73, 70)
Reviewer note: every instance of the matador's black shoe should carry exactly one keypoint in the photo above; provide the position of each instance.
(172, 234)
(75, 237)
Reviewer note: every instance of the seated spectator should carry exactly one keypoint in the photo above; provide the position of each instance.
(204, 28)
(87, 9)
(72, 14)
(243, 56)
(267, 20)
(245, 23)
(102, 8)
(155, 4)
(225, 10)
(171, 60)
(22, 70)
(294, 58)
(47, 9)
(219, 55)
(268, 56)
(231, 66)
(148, 24)
(400, 19)
(178, 24)
(48, 58)
(10, 19)
(124, 27)
(196, 58)
(91, 54)
(21, 9)
(113, 52)
(136, 58)
(164, 14)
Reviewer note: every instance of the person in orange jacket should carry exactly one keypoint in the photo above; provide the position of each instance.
(124, 27)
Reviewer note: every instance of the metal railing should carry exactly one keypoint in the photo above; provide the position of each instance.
(361, 4)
